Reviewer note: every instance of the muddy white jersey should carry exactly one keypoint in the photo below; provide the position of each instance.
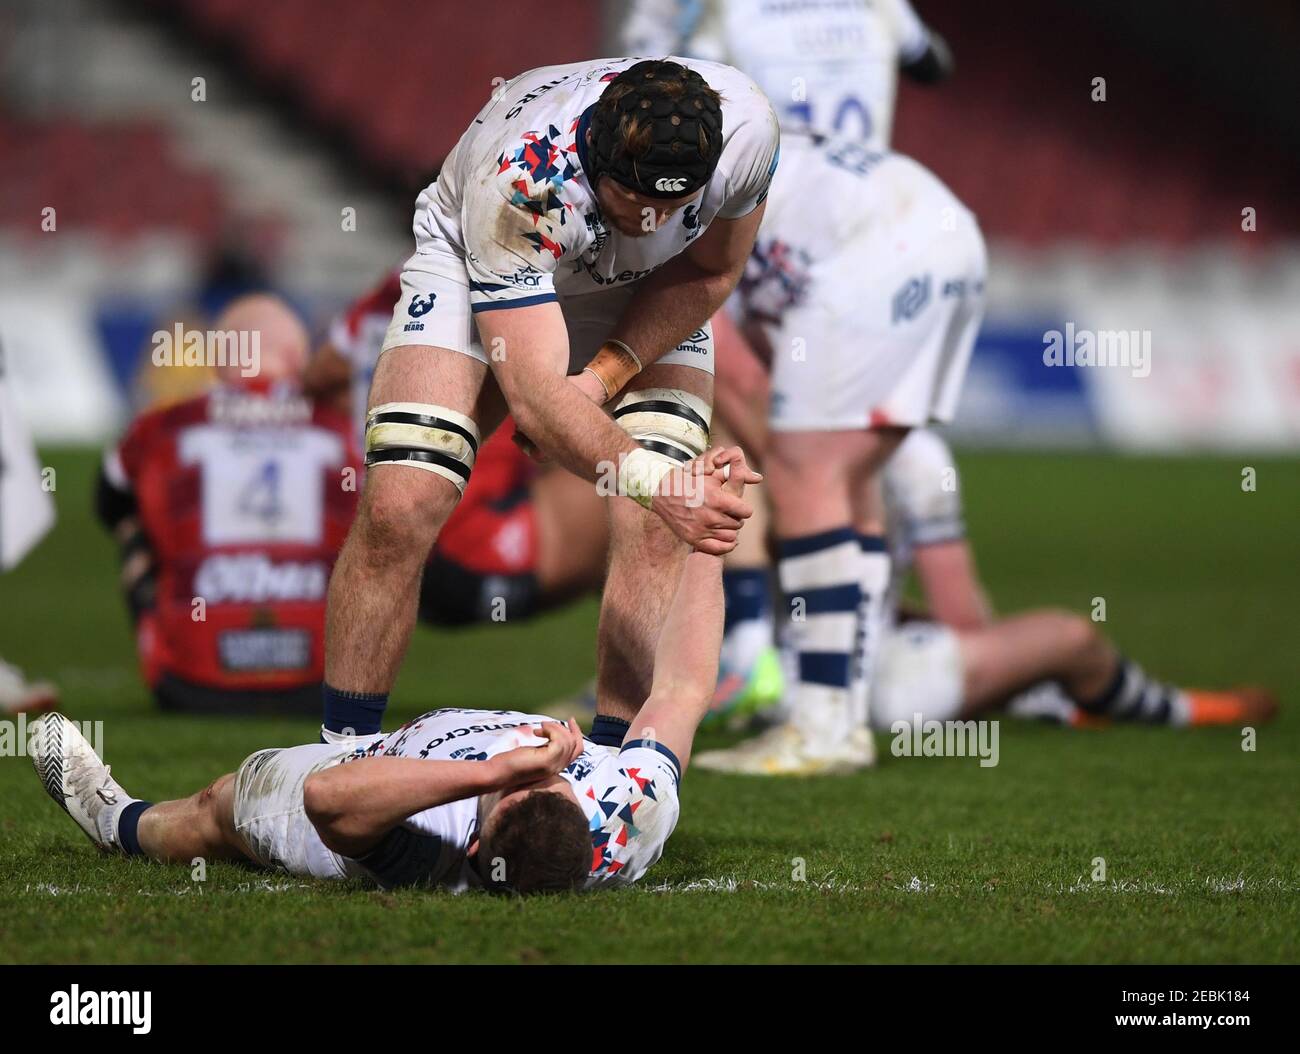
(829, 196)
(628, 794)
(514, 197)
(831, 65)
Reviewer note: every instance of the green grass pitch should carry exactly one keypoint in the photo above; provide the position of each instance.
(921, 860)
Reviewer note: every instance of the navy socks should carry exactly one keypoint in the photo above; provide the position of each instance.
(356, 713)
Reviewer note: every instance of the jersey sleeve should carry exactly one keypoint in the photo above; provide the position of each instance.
(349, 331)
(632, 807)
(519, 222)
(909, 32)
(422, 850)
(922, 492)
(754, 149)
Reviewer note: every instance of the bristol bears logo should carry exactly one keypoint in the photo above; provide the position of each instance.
(421, 305)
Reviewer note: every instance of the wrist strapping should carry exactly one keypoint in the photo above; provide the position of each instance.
(614, 365)
(639, 475)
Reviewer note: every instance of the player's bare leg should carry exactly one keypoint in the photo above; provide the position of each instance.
(644, 565)
(200, 825)
(749, 669)
(375, 586)
(1001, 660)
(83, 786)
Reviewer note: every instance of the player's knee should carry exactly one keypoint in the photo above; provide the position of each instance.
(396, 521)
(669, 422)
(215, 820)
(1075, 633)
(429, 439)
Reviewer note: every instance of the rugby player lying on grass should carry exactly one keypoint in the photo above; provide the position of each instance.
(455, 798)
(957, 659)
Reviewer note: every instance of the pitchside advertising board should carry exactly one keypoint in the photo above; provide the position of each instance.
(1077, 359)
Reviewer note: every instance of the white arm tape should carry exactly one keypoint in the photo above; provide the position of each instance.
(639, 475)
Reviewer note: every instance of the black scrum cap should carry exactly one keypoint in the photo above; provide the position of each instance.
(673, 165)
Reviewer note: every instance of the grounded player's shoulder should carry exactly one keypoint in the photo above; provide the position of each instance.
(629, 795)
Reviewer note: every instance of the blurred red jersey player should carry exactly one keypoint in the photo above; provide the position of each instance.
(230, 509)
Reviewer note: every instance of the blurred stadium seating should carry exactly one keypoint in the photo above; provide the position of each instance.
(1125, 213)
(103, 172)
(396, 79)
(1040, 162)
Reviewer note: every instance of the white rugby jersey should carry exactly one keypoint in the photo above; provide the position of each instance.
(514, 198)
(828, 64)
(629, 795)
(829, 193)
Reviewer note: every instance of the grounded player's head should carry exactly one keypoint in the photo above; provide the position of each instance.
(283, 344)
(534, 839)
(656, 136)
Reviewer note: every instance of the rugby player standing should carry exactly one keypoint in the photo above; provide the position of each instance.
(830, 66)
(589, 222)
(865, 303)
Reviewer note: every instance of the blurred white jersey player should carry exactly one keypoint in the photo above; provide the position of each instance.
(864, 298)
(956, 660)
(831, 65)
(26, 516)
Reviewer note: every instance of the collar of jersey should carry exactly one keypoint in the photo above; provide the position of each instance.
(584, 122)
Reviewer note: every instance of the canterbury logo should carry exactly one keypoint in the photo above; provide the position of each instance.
(671, 186)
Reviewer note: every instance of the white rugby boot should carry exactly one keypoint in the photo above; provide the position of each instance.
(784, 751)
(862, 747)
(75, 777)
(21, 696)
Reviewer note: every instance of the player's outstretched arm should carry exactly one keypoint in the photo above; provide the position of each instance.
(686, 659)
(353, 805)
(951, 585)
(741, 389)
